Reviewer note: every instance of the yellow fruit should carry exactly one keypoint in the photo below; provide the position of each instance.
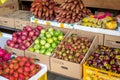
(112, 25)
(0, 34)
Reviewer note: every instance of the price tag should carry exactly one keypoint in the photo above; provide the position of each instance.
(36, 21)
(61, 25)
(47, 23)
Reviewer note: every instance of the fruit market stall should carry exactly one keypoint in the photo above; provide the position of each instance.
(66, 38)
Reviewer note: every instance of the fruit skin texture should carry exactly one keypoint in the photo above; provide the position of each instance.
(112, 25)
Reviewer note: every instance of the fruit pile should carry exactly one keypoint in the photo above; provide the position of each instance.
(100, 20)
(24, 38)
(47, 41)
(105, 58)
(44, 9)
(72, 49)
(71, 11)
(4, 56)
(20, 68)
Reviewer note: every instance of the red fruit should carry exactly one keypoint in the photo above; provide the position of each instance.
(1, 66)
(11, 44)
(23, 47)
(33, 73)
(15, 74)
(26, 69)
(19, 40)
(38, 67)
(23, 37)
(21, 76)
(28, 64)
(32, 67)
(25, 33)
(11, 78)
(26, 73)
(16, 66)
(11, 71)
(16, 46)
(6, 70)
(18, 58)
(11, 65)
(19, 33)
(29, 39)
(14, 61)
(27, 44)
(14, 35)
(20, 70)
(39, 27)
(14, 39)
(31, 60)
(5, 65)
(6, 76)
(1, 71)
(22, 63)
(25, 59)
(31, 34)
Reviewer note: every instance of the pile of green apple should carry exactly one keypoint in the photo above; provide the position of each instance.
(47, 41)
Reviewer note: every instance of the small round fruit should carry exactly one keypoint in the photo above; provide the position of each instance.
(43, 31)
(37, 41)
(47, 45)
(31, 49)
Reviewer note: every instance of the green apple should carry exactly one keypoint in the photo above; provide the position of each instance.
(42, 41)
(31, 49)
(47, 45)
(48, 53)
(37, 51)
(50, 40)
(54, 45)
(42, 51)
(55, 38)
(37, 41)
(37, 46)
(60, 37)
(57, 42)
(43, 31)
(51, 29)
(57, 32)
(48, 35)
(52, 33)
(42, 47)
(51, 49)
(42, 35)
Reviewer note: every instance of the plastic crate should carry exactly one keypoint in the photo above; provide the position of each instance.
(90, 73)
(4, 38)
(41, 75)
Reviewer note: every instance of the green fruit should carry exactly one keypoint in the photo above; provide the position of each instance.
(43, 31)
(37, 51)
(42, 51)
(52, 33)
(42, 47)
(48, 53)
(50, 29)
(42, 35)
(48, 35)
(60, 37)
(51, 49)
(57, 42)
(55, 38)
(50, 40)
(54, 45)
(42, 42)
(31, 49)
(37, 41)
(37, 46)
(47, 45)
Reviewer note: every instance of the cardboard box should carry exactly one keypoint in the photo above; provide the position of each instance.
(37, 76)
(15, 51)
(23, 19)
(112, 41)
(108, 4)
(44, 59)
(9, 6)
(7, 21)
(68, 68)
